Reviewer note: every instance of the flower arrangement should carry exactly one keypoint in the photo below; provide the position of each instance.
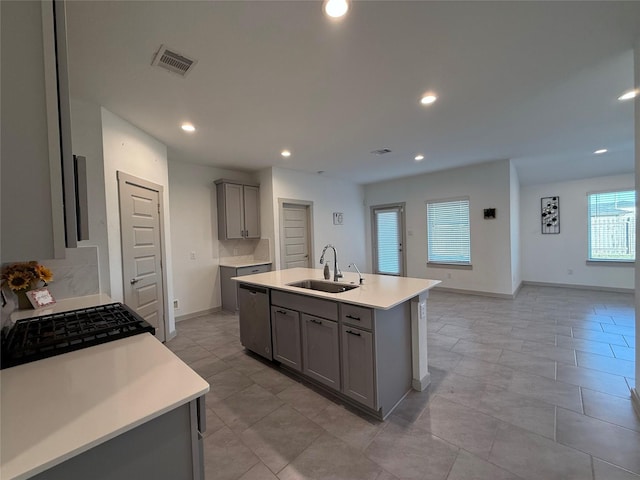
(25, 276)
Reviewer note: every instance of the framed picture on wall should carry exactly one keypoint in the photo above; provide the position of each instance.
(550, 214)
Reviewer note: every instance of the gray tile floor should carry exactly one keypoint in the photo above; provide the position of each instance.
(532, 388)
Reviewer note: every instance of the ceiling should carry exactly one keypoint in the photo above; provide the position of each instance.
(535, 82)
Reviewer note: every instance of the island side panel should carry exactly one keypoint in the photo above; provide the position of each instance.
(421, 375)
(393, 355)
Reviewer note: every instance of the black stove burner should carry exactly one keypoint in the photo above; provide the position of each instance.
(41, 337)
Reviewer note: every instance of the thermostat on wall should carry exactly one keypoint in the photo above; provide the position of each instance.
(338, 217)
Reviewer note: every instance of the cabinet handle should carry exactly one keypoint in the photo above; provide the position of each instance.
(316, 321)
(282, 312)
(353, 318)
(255, 271)
(353, 333)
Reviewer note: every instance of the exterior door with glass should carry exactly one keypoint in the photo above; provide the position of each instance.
(388, 239)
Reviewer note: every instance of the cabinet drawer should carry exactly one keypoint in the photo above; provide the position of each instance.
(302, 303)
(358, 316)
(242, 271)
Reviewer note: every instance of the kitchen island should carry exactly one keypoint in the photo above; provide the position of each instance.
(367, 344)
(123, 409)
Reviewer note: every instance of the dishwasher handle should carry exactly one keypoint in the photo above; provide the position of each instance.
(253, 289)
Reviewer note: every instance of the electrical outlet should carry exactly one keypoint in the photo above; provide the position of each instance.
(570, 271)
(235, 252)
(192, 255)
(176, 304)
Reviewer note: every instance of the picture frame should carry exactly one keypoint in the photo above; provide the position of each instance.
(40, 297)
(550, 215)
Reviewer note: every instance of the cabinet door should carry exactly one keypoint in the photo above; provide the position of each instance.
(233, 211)
(251, 211)
(285, 334)
(320, 350)
(357, 365)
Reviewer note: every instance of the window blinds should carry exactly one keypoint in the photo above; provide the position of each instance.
(388, 241)
(612, 226)
(448, 236)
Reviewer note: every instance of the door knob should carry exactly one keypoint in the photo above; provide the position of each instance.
(134, 280)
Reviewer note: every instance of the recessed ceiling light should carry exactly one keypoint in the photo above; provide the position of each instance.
(419, 157)
(628, 95)
(428, 99)
(601, 151)
(285, 153)
(187, 127)
(336, 8)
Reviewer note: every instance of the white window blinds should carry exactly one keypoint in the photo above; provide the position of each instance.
(612, 226)
(448, 236)
(388, 241)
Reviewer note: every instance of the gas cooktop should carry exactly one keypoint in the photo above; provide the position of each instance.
(49, 335)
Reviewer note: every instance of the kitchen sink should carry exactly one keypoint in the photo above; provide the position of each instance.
(328, 287)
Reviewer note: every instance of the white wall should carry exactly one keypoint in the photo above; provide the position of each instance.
(487, 186)
(86, 138)
(548, 258)
(194, 228)
(130, 150)
(328, 195)
(514, 214)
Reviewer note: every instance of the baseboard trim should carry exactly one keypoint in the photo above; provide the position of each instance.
(188, 316)
(635, 401)
(580, 287)
(420, 385)
(480, 293)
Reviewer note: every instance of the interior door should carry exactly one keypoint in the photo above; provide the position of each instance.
(142, 252)
(295, 235)
(388, 239)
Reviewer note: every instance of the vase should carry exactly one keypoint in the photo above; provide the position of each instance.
(23, 300)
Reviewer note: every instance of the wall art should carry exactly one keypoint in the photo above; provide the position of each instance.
(550, 210)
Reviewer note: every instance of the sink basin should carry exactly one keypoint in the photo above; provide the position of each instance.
(329, 287)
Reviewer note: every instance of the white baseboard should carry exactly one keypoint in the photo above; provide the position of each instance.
(580, 287)
(188, 316)
(475, 292)
(422, 384)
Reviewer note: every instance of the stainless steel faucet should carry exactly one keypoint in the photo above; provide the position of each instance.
(337, 274)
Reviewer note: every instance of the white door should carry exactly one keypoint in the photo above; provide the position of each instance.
(388, 239)
(142, 252)
(295, 249)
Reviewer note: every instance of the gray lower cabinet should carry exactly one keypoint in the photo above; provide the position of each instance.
(285, 335)
(229, 288)
(321, 350)
(358, 365)
(169, 447)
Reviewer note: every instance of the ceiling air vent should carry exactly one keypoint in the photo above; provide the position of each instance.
(173, 61)
(382, 151)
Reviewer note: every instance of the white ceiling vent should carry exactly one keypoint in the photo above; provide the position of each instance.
(382, 151)
(173, 61)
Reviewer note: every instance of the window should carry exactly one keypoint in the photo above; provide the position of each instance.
(612, 226)
(448, 238)
(388, 256)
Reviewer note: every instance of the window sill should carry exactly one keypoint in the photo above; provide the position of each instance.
(611, 263)
(458, 266)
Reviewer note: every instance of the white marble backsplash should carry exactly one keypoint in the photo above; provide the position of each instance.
(245, 250)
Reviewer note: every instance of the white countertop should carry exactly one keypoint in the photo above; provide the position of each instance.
(243, 263)
(378, 291)
(63, 305)
(57, 408)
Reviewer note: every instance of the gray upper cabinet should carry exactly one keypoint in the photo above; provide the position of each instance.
(238, 210)
(32, 205)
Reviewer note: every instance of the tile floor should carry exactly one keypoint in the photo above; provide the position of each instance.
(532, 388)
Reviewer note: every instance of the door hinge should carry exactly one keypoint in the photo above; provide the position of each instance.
(158, 208)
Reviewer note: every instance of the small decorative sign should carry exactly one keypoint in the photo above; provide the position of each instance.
(40, 297)
(550, 210)
(338, 218)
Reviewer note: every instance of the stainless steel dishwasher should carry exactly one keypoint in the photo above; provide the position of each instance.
(255, 319)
